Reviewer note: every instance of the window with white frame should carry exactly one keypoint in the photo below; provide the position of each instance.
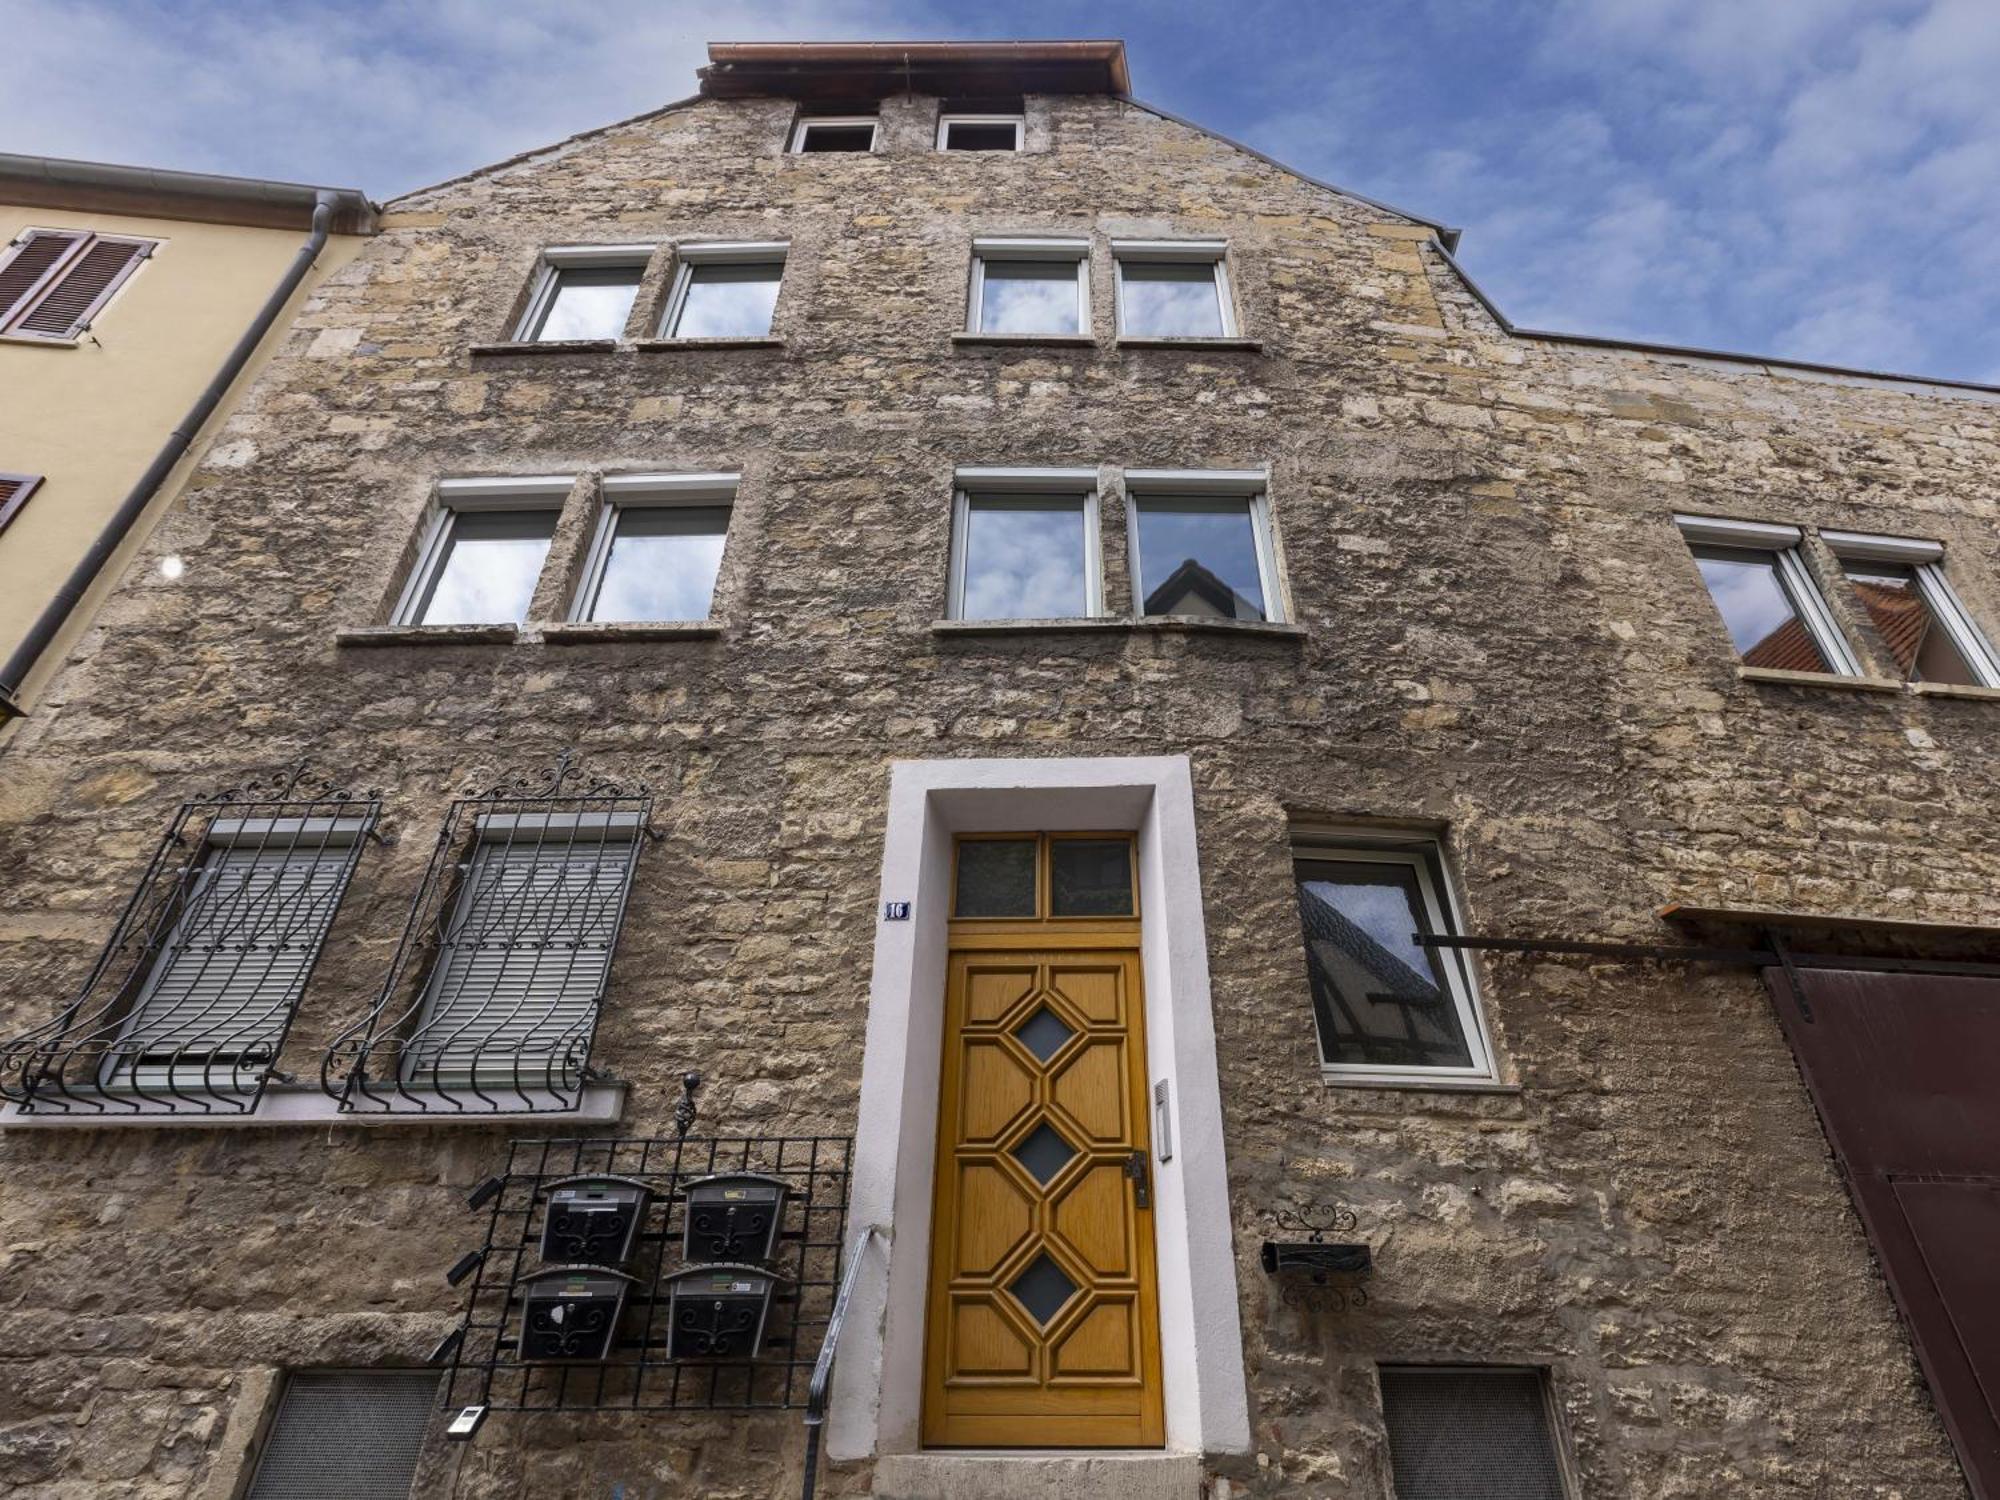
(1766, 596)
(1175, 289)
(482, 552)
(583, 292)
(1030, 286)
(658, 548)
(1201, 544)
(1388, 1007)
(1024, 545)
(817, 133)
(961, 130)
(725, 291)
(1901, 583)
(1458, 1431)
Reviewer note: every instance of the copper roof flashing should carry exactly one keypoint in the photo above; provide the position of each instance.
(823, 71)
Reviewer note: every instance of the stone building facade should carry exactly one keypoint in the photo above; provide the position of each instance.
(1483, 628)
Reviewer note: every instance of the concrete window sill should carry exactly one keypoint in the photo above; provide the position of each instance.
(513, 349)
(1166, 624)
(674, 346)
(1197, 625)
(427, 635)
(1026, 340)
(1779, 678)
(1029, 627)
(1954, 690)
(583, 632)
(27, 338)
(1238, 345)
(1422, 1085)
(304, 1104)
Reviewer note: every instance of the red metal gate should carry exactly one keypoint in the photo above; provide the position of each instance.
(1905, 1072)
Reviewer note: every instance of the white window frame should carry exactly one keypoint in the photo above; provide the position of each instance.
(648, 492)
(559, 258)
(1029, 247)
(1251, 485)
(1053, 484)
(809, 123)
(1926, 560)
(721, 253)
(1426, 855)
(1783, 543)
(1212, 253)
(945, 122)
(475, 497)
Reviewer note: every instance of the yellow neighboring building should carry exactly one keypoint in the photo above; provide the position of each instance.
(134, 305)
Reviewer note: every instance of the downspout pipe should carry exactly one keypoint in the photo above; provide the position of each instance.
(74, 587)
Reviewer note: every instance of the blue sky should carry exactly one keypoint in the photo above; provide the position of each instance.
(1813, 178)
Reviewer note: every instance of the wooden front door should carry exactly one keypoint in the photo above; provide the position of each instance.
(1043, 1326)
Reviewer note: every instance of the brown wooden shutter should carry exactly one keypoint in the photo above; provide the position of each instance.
(1902, 1068)
(14, 492)
(65, 309)
(33, 258)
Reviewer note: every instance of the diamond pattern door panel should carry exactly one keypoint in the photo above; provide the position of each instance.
(1043, 1322)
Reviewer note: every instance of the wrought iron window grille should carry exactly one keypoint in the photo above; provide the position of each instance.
(637, 1373)
(189, 1004)
(492, 999)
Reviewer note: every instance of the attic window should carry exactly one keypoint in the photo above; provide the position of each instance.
(979, 132)
(1388, 1008)
(834, 133)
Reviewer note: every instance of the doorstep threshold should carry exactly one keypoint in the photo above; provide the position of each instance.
(1038, 1474)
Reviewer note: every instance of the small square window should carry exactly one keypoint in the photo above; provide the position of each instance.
(1388, 1007)
(834, 133)
(1455, 1433)
(658, 551)
(995, 878)
(1030, 287)
(581, 300)
(1205, 556)
(482, 555)
(970, 132)
(1766, 596)
(725, 291)
(1901, 584)
(1026, 555)
(1173, 290)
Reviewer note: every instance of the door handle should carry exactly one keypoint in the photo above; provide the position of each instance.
(1137, 1169)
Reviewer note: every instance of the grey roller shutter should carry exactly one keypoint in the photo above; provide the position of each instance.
(1470, 1435)
(522, 963)
(220, 994)
(346, 1437)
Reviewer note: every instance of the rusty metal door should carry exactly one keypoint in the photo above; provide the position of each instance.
(1905, 1072)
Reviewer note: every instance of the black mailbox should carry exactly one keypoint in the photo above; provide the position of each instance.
(569, 1314)
(718, 1311)
(593, 1221)
(733, 1217)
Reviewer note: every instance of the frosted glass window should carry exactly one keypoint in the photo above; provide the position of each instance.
(996, 878)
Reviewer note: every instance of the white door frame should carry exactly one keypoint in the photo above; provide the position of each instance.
(878, 1382)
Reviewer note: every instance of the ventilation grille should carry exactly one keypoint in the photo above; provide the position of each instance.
(1470, 1435)
(346, 1437)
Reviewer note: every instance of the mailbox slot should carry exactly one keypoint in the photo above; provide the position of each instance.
(733, 1217)
(718, 1311)
(569, 1314)
(593, 1221)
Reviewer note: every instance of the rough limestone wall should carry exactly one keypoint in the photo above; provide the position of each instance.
(1504, 637)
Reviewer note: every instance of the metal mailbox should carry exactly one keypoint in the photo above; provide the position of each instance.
(593, 1221)
(733, 1216)
(718, 1311)
(569, 1314)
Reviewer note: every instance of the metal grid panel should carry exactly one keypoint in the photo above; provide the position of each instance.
(187, 1007)
(346, 1436)
(491, 1002)
(1470, 1435)
(486, 1368)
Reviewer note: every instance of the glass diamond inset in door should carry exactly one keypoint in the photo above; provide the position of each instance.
(1042, 1289)
(1044, 1153)
(1043, 1034)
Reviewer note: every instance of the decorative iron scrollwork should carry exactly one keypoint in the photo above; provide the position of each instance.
(1318, 1268)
